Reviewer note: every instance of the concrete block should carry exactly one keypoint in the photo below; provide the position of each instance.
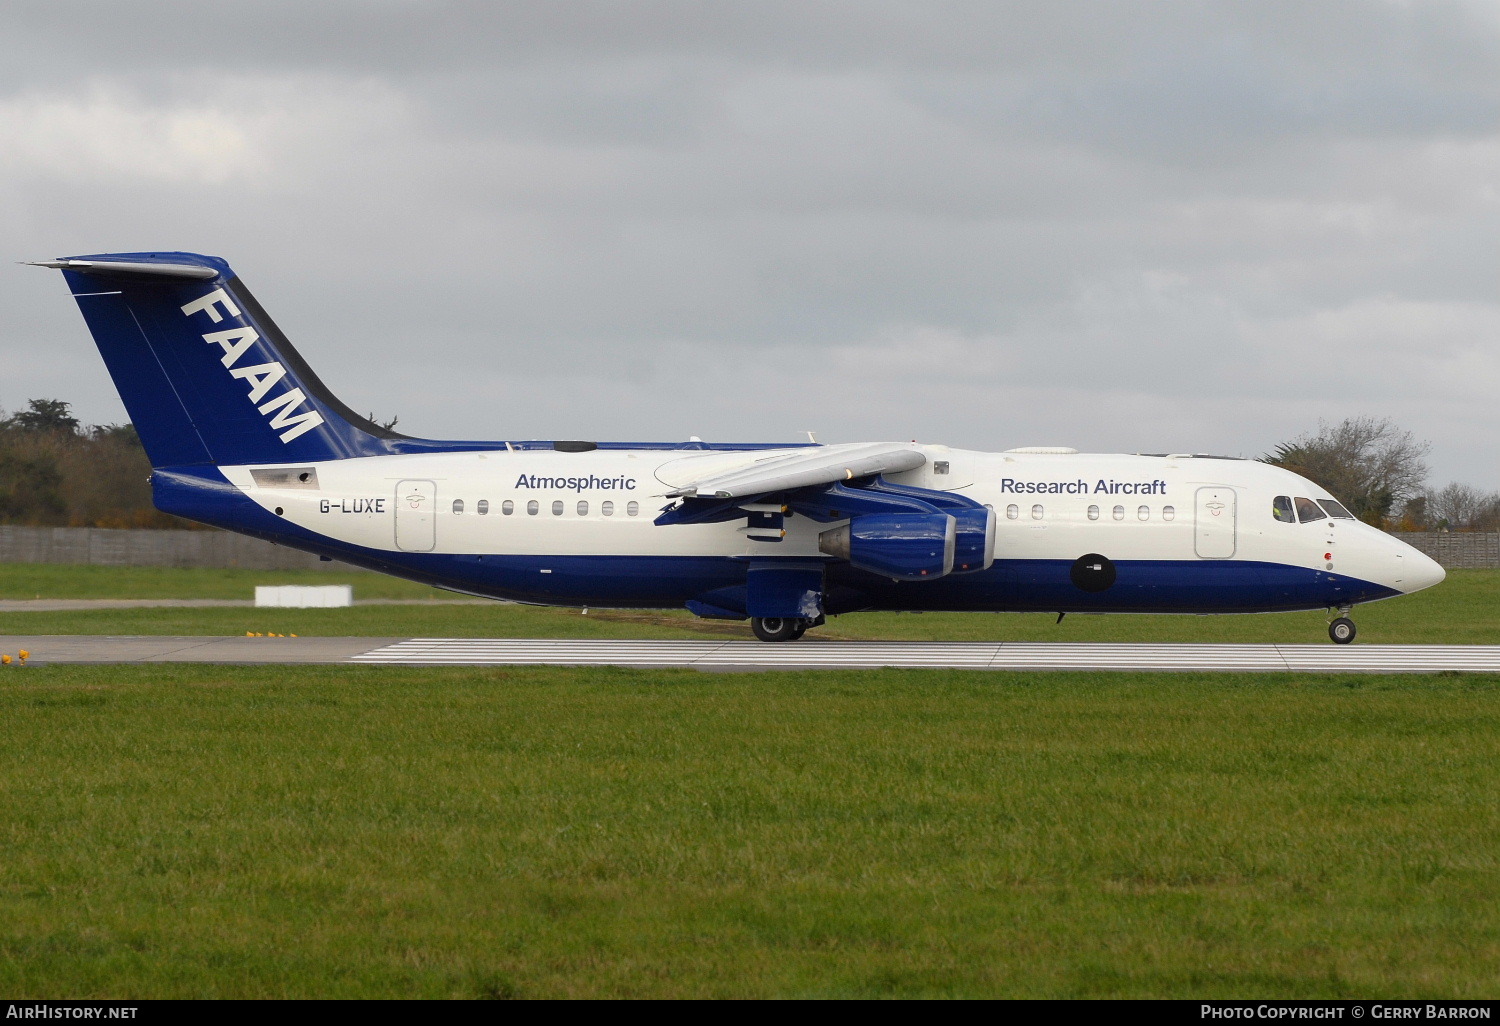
(300, 596)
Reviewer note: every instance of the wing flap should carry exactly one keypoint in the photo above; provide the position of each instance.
(803, 468)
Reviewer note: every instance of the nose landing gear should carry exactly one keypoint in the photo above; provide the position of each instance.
(1342, 630)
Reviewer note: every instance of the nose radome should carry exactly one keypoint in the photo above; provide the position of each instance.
(1429, 572)
(1416, 570)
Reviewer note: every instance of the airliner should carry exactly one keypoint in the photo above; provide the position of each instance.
(242, 435)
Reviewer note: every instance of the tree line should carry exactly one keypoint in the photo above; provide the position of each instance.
(57, 471)
(1379, 471)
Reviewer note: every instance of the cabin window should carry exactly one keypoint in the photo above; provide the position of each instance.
(607, 508)
(1169, 513)
(1118, 513)
(1012, 511)
(940, 466)
(507, 507)
(1144, 513)
(1036, 512)
(1281, 509)
(1336, 509)
(632, 507)
(458, 505)
(583, 507)
(532, 507)
(482, 507)
(557, 507)
(1308, 511)
(1093, 512)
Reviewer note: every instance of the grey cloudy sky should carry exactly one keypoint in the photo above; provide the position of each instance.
(1160, 226)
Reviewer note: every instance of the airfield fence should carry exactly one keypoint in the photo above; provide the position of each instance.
(103, 546)
(1460, 550)
(111, 547)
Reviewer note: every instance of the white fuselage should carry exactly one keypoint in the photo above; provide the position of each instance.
(1049, 507)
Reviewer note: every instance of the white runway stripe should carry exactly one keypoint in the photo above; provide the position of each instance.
(960, 655)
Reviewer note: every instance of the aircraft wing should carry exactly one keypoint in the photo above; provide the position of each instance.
(800, 469)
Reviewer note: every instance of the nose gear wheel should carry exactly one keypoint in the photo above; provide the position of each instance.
(1342, 630)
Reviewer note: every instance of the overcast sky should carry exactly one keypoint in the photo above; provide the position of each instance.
(1123, 227)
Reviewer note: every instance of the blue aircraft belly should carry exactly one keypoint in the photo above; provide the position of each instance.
(1166, 586)
(1163, 586)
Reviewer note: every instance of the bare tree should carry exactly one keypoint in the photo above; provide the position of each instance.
(1369, 463)
(1461, 507)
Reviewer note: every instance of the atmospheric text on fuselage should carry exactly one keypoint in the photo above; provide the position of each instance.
(576, 484)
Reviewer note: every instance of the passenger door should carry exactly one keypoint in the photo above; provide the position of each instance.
(416, 516)
(1213, 536)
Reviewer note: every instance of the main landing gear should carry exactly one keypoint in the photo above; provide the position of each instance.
(1342, 630)
(781, 628)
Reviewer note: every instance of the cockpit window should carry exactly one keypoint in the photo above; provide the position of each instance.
(1336, 509)
(1308, 511)
(1281, 509)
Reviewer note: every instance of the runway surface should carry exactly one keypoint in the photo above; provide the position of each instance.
(959, 655)
(752, 655)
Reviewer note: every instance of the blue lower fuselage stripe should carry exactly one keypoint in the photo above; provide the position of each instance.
(1040, 585)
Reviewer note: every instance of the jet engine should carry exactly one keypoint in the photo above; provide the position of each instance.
(974, 539)
(901, 546)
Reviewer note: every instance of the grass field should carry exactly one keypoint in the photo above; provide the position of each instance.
(1465, 609)
(374, 831)
(201, 831)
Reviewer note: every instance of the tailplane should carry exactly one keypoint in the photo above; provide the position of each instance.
(204, 373)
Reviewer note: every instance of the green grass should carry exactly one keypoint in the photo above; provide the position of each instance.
(1465, 609)
(192, 831)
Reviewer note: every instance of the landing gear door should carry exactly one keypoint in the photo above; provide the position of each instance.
(1214, 523)
(416, 516)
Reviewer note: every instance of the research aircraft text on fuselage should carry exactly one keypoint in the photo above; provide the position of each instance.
(242, 435)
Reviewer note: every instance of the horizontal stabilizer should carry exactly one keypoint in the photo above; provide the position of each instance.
(131, 271)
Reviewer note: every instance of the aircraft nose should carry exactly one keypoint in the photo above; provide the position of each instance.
(1417, 570)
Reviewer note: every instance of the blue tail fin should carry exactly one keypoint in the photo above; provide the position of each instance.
(205, 375)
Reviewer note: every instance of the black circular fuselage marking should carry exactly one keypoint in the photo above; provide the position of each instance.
(1093, 572)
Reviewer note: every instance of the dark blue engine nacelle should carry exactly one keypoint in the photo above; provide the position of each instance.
(901, 546)
(974, 542)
